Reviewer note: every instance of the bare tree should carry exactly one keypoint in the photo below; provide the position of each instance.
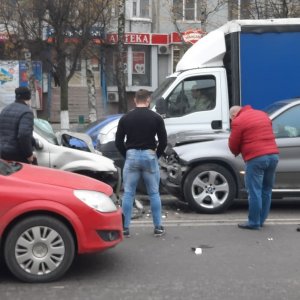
(63, 26)
(264, 9)
(203, 10)
(121, 56)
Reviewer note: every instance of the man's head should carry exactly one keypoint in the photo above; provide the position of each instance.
(23, 93)
(234, 111)
(142, 98)
(196, 91)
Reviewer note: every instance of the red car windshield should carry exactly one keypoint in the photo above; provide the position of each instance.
(7, 168)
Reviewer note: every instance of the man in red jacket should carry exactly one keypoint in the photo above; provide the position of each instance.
(252, 136)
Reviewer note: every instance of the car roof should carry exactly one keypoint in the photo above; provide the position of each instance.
(101, 122)
(278, 107)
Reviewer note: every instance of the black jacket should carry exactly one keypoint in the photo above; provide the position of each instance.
(139, 127)
(16, 128)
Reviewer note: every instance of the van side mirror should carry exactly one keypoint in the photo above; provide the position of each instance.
(161, 106)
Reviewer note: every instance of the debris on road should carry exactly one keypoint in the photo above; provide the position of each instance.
(198, 251)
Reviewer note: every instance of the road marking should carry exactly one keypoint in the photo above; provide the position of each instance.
(175, 223)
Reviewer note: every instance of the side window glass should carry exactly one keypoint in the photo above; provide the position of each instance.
(192, 95)
(177, 102)
(287, 124)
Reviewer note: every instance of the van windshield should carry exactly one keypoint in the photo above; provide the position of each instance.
(160, 90)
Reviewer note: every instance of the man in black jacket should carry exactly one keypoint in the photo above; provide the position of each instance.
(16, 128)
(135, 139)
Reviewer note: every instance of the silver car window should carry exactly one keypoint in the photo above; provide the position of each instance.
(287, 124)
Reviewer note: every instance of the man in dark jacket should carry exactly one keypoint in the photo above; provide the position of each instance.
(16, 128)
(252, 136)
(135, 139)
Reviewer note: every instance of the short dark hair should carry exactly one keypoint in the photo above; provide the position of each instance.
(23, 93)
(142, 95)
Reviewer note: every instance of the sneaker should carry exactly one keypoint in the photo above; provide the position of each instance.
(159, 231)
(126, 232)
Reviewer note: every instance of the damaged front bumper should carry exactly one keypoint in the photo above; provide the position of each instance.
(171, 174)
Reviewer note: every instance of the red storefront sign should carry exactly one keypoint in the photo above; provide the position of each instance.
(130, 38)
(189, 36)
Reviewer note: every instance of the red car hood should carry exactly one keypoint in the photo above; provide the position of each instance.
(60, 178)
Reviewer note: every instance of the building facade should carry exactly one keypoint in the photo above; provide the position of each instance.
(157, 33)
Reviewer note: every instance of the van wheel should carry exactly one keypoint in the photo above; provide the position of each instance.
(209, 188)
(39, 249)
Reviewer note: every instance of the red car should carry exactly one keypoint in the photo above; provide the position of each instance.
(47, 216)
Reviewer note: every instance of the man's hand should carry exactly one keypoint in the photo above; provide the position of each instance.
(31, 158)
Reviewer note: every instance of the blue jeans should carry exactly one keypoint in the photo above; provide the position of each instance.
(259, 180)
(141, 163)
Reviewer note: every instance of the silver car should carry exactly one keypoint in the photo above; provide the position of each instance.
(199, 168)
(53, 150)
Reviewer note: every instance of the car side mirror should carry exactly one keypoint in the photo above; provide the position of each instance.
(37, 144)
(161, 106)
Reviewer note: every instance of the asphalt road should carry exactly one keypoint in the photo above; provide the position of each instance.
(234, 264)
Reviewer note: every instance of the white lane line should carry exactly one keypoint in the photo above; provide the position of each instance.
(174, 223)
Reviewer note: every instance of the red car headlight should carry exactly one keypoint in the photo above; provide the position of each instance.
(96, 200)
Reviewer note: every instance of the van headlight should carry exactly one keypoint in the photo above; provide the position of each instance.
(96, 200)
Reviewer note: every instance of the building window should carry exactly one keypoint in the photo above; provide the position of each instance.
(141, 65)
(138, 73)
(188, 10)
(141, 8)
(114, 8)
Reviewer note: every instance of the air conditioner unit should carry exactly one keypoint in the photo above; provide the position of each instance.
(112, 97)
(163, 49)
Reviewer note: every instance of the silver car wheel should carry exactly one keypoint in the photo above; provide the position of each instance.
(39, 250)
(210, 189)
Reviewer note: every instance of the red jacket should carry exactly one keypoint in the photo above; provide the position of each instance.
(252, 134)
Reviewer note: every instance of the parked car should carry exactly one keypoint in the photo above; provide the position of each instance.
(199, 168)
(54, 151)
(48, 216)
(92, 130)
(106, 142)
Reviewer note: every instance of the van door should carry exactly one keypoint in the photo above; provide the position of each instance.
(195, 104)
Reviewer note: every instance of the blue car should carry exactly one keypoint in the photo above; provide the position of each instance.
(92, 130)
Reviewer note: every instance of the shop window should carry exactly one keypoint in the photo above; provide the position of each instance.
(188, 10)
(114, 8)
(141, 70)
(141, 8)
